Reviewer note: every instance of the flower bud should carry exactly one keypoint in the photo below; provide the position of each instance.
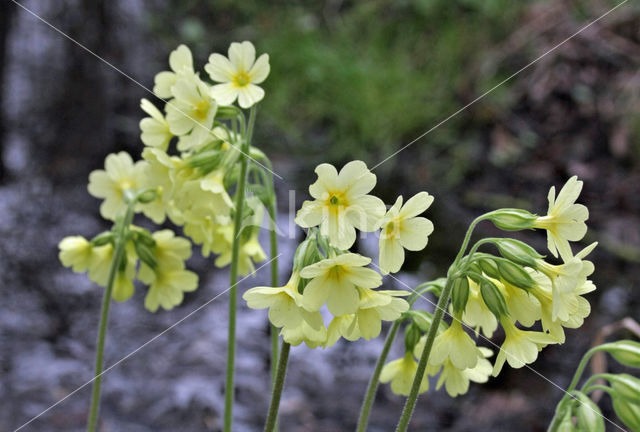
(588, 414)
(489, 267)
(626, 352)
(493, 298)
(628, 412)
(626, 386)
(307, 253)
(460, 294)
(145, 254)
(147, 196)
(515, 275)
(566, 424)
(226, 112)
(420, 318)
(102, 239)
(412, 335)
(517, 251)
(511, 219)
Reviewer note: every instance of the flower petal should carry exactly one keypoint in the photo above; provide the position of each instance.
(260, 69)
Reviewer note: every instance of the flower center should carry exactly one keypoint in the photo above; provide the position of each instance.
(241, 79)
(334, 200)
(202, 109)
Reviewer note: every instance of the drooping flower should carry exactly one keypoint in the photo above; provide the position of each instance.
(181, 63)
(238, 74)
(403, 229)
(401, 372)
(520, 347)
(373, 308)
(477, 314)
(75, 252)
(565, 220)
(286, 312)
(341, 203)
(155, 129)
(456, 345)
(456, 381)
(334, 280)
(120, 174)
(166, 286)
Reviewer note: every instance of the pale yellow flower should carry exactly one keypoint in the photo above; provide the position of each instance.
(520, 347)
(238, 74)
(286, 312)
(341, 203)
(120, 174)
(181, 63)
(334, 281)
(159, 171)
(456, 345)
(401, 372)
(155, 129)
(456, 381)
(193, 110)
(166, 287)
(565, 220)
(75, 252)
(373, 308)
(402, 229)
(477, 314)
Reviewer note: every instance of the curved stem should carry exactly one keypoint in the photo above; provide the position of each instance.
(555, 422)
(363, 420)
(409, 406)
(235, 253)
(277, 388)
(120, 242)
(598, 387)
(594, 378)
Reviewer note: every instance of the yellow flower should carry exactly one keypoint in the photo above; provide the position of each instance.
(520, 347)
(566, 279)
(75, 252)
(286, 312)
(170, 251)
(99, 265)
(192, 111)
(250, 252)
(166, 286)
(120, 174)
(341, 203)
(401, 229)
(334, 280)
(181, 63)
(155, 129)
(477, 314)
(456, 381)
(159, 170)
(401, 372)
(565, 220)
(123, 282)
(456, 345)
(522, 306)
(238, 74)
(373, 308)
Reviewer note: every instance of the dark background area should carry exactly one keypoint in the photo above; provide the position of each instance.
(348, 80)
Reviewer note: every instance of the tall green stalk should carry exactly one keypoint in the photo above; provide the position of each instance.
(233, 292)
(278, 384)
(120, 242)
(372, 387)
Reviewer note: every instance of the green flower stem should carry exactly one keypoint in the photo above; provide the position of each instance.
(375, 378)
(120, 242)
(594, 378)
(273, 241)
(233, 291)
(409, 406)
(277, 388)
(598, 387)
(555, 422)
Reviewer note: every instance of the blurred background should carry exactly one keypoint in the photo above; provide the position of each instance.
(348, 80)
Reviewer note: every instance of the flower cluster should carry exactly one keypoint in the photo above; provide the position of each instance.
(515, 290)
(327, 274)
(189, 173)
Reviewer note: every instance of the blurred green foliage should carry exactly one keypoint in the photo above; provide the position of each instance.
(351, 79)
